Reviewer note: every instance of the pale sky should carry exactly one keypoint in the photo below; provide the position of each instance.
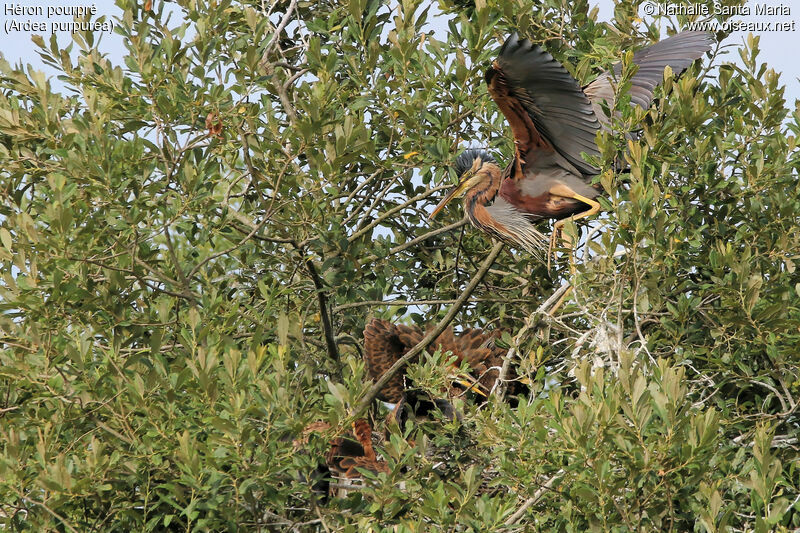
(778, 48)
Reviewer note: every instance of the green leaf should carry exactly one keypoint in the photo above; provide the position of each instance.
(5, 238)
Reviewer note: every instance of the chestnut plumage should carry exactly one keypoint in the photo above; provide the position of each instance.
(554, 122)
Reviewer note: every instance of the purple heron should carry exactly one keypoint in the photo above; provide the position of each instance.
(385, 343)
(554, 120)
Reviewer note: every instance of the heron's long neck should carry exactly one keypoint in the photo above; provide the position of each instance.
(485, 191)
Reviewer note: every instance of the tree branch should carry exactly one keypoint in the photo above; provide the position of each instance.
(327, 327)
(175, 261)
(531, 322)
(396, 209)
(412, 242)
(281, 25)
(322, 297)
(514, 518)
(226, 251)
(407, 303)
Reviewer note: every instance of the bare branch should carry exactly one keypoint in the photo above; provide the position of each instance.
(376, 200)
(287, 104)
(322, 297)
(406, 303)
(363, 184)
(412, 242)
(228, 250)
(294, 77)
(514, 518)
(393, 211)
(531, 322)
(44, 506)
(281, 25)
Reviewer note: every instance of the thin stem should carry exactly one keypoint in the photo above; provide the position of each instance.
(393, 211)
(412, 242)
(514, 518)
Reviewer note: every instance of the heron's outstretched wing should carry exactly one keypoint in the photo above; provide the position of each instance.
(678, 51)
(544, 105)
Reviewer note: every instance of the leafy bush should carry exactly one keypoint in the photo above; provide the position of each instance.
(192, 241)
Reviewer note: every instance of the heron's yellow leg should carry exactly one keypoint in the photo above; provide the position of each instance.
(594, 207)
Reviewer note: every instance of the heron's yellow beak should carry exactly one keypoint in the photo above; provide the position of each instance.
(455, 192)
(475, 387)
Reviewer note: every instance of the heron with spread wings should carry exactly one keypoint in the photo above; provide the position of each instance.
(554, 121)
(385, 343)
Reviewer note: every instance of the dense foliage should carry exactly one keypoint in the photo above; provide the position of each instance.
(191, 242)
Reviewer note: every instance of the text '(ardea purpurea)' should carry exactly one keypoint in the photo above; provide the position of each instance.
(554, 120)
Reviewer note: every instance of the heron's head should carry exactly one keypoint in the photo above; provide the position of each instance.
(468, 169)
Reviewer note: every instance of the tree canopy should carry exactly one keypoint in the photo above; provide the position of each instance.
(192, 240)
